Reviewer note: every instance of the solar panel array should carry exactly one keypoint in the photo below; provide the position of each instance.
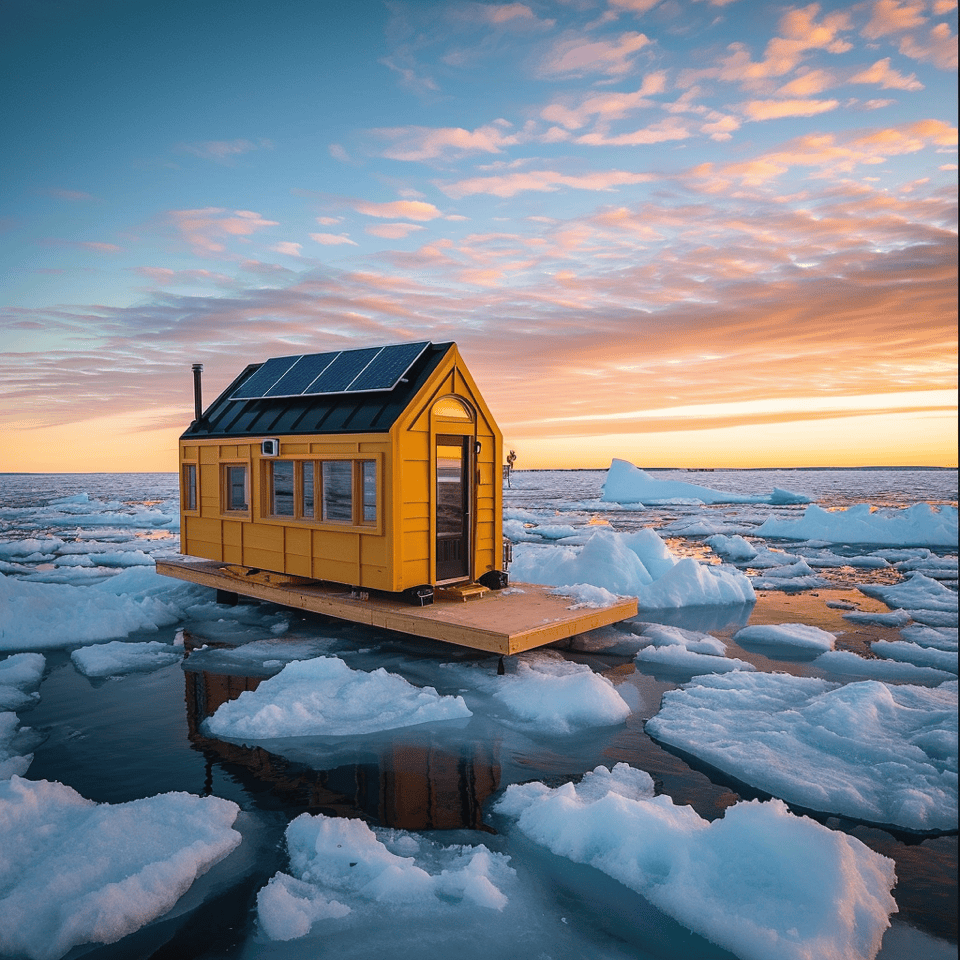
(366, 370)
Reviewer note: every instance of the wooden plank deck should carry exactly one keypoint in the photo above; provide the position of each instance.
(508, 621)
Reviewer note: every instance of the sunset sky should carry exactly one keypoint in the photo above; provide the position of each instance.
(678, 232)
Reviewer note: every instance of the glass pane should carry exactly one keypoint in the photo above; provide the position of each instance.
(338, 490)
(449, 490)
(281, 504)
(452, 409)
(190, 486)
(306, 507)
(237, 488)
(369, 468)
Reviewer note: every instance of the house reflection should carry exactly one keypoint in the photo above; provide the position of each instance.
(410, 784)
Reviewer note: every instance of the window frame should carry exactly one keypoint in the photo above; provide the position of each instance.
(188, 485)
(226, 510)
(361, 506)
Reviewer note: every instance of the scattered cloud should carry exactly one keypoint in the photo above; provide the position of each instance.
(890, 16)
(882, 75)
(431, 143)
(393, 231)
(778, 109)
(575, 56)
(409, 209)
(288, 248)
(332, 239)
(207, 229)
(544, 181)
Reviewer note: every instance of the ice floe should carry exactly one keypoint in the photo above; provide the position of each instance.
(70, 875)
(846, 663)
(685, 651)
(802, 636)
(868, 750)
(325, 697)
(919, 524)
(117, 657)
(626, 483)
(18, 673)
(341, 868)
(633, 564)
(760, 882)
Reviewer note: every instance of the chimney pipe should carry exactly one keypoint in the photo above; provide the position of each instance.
(197, 398)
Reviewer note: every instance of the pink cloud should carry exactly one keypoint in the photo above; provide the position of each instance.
(206, 228)
(575, 56)
(544, 181)
(429, 143)
(939, 47)
(223, 150)
(888, 79)
(889, 16)
(99, 247)
(663, 130)
(777, 109)
(332, 239)
(287, 248)
(393, 231)
(605, 106)
(408, 209)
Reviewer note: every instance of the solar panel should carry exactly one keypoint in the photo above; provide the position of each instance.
(338, 376)
(269, 373)
(365, 370)
(386, 369)
(301, 375)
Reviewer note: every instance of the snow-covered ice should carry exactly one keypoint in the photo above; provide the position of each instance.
(116, 657)
(686, 651)
(324, 697)
(627, 483)
(803, 636)
(868, 750)
(760, 882)
(69, 873)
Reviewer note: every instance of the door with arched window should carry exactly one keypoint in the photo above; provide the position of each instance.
(454, 495)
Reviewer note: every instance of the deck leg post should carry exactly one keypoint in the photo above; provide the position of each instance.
(501, 670)
(227, 598)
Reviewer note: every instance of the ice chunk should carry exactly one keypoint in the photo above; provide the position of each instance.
(917, 592)
(919, 524)
(686, 651)
(324, 697)
(760, 882)
(117, 657)
(800, 635)
(868, 750)
(69, 873)
(559, 696)
(849, 664)
(342, 866)
(18, 673)
(734, 548)
(626, 483)
(916, 654)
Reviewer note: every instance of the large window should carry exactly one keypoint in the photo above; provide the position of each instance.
(330, 491)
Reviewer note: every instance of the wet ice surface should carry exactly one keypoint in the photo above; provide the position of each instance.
(85, 618)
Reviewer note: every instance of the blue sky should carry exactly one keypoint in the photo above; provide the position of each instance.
(658, 230)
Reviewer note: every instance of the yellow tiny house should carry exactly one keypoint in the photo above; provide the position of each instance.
(378, 468)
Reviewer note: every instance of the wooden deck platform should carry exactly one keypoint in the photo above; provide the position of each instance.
(508, 621)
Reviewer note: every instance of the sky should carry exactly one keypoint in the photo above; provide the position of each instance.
(677, 232)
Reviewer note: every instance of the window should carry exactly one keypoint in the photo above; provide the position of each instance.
(281, 488)
(306, 489)
(338, 490)
(189, 486)
(452, 408)
(235, 482)
(329, 491)
(368, 490)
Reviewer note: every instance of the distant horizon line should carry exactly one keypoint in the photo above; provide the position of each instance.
(89, 473)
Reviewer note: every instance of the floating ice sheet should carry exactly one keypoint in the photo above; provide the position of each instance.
(802, 636)
(324, 697)
(760, 882)
(117, 657)
(868, 750)
(70, 875)
(686, 651)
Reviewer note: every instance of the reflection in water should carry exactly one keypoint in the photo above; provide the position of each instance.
(409, 783)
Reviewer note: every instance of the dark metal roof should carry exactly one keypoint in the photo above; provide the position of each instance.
(374, 412)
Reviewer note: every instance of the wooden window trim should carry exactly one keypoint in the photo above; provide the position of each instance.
(225, 512)
(186, 465)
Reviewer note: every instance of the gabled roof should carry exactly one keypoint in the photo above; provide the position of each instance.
(328, 413)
